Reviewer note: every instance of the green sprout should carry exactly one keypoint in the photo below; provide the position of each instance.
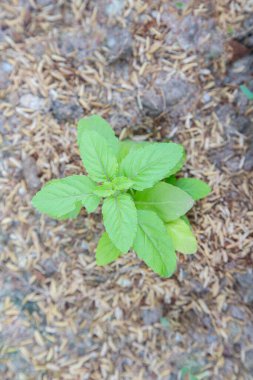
(143, 203)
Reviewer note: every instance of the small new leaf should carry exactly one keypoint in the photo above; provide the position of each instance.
(97, 156)
(168, 201)
(120, 220)
(105, 190)
(122, 183)
(247, 92)
(196, 188)
(182, 237)
(63, 198)
(106, 251)
(153, 244)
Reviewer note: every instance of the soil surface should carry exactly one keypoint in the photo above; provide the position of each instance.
(158, 71)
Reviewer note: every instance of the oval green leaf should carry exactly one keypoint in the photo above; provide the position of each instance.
(63, 198)
(196, 188)
(97, 156)
(168, 201)
(101, 126)
(151, 163)
(120, 220)
(182, 237)
(106, 251)
(126, 146)
(153, 244)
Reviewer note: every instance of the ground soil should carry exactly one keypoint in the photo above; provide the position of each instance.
(158, 71)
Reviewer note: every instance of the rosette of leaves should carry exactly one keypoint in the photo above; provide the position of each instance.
(143, 202)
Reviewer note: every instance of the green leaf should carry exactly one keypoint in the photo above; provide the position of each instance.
(120, 220)
(186, 220)
(165, 322)
(171, 180)
(182, 237)
(180, 5)
(72, 214)
(153, 244)
(178, 166)
(230, 29)
(186, 374)
(122, 183)
(247, 92)
(196, 188)
(150, 164)
(104, 190)
(98, 158)
(126, 146)
(109, 188)
(106, 251)
(63, 198)
(168, 201)
(101, 126)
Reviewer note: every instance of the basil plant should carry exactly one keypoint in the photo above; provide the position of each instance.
(143, 202)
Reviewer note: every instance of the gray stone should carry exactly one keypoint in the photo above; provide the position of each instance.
(66, 112)
(198, 34)
(233, 121)
(6, 67)
(3, 368)
(30, 173)
(153, 103)
(245, 279)
(248, 23)
(206, 98)
(242, 102)
(233, 163)
(151, 316)
(244, 125)
(249, 41)
(32, 102)
(2, 124)
(225, 156)
(49, 266)
(71, 42)
(174, 95)
(240, 71)
(234, 331)
(85, 246)
(248, 166)
(248, 331)
(248, 361)
(237, 312)
(198, 288)
(114, 7)
(43, 3)
(226, 114)
(2, 36)
(5, 71)
(124, 282)
(80, 44)
(245, 282)
(119, 44)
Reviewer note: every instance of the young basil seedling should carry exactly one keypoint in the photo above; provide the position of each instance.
(144, 204)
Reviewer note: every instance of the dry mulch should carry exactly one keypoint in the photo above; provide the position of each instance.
(61, 316)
